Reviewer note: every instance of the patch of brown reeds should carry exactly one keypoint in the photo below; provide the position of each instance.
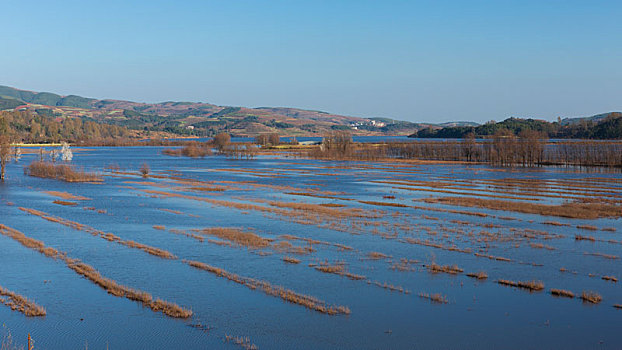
(243, 342)
(479, 275)
(602, 255)
(450, 269)
(94, 276)
(562, 293)
(435, 298)
(66, 195)
(289, 259)
(529, 285)
(277, 291)
(60, 172)
(337, 269)
(239, 237)
(376, 256)
(591, 297)
(587, 227)
(105, 235)
(66, 203)
(567, 210)
(584, 238)
(159, 227)
(21, 303)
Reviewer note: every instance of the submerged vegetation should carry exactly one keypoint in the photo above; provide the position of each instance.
(20, 303)
(94, 276)
(63, 172)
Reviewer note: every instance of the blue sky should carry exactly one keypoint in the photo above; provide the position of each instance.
(425, 61)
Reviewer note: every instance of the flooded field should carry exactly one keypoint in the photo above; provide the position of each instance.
(293, 253)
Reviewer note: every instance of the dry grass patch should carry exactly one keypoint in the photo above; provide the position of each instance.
(562, 293)
(60, 172)
(606, 256)
(479, 275)
(591, 297)
(450, 269)
(610, 278)
(91, 274)
(239, 237)
(533, 286)
(376, 256)
(567, 210)
(337, 269)
(277, 291)
(435, 298)
(243, 342)
(584, 238)
(107, 236)
(289, 259)
(66, 195)
(65, 203)
(20, 303)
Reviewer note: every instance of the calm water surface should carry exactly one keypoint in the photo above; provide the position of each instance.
(479, 314)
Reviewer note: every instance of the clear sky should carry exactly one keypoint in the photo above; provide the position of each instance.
(426, 61)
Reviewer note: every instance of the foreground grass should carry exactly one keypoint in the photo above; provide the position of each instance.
(87, 271)
(277, 291)
(20, 303)
(105, 235)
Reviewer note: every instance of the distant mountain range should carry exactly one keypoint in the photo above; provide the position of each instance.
(205, 119)
(201, 119)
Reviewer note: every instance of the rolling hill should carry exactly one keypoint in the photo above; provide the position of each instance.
(198, 119)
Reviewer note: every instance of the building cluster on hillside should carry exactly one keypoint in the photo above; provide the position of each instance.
(370, 122)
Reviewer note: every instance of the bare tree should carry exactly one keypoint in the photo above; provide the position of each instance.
(5, 154)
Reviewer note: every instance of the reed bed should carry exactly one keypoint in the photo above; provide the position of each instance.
(376, 256)
(107, 236)
(289, 259)
(20, 303)
(591, 297)
(610, 278)
(273, 290)
(87, 271)
(65, 203)
(243, 342)
(584, 238)
(602, 255)
(389, 287)
(533, 286)
(338, 269)
(239, 237)
(587, 227)
(567, 210)
(478, 275)
(60, 172)
(562, 293)
(450, 269)
(435, 298)
(67, 196)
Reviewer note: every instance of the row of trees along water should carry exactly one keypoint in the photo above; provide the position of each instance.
(529, 148)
